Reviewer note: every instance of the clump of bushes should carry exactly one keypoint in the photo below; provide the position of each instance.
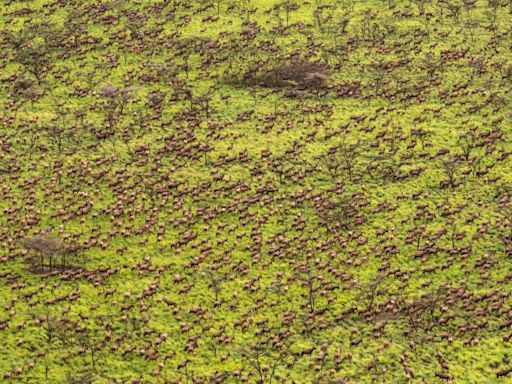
(43, 252)
(301, 74)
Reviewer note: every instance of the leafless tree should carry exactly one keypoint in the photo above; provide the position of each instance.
(263, 362)
(450, 167)
(214, 282)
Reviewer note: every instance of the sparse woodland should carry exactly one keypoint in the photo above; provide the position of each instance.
(255, 191)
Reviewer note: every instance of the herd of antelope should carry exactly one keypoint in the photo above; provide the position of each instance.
(256, 191)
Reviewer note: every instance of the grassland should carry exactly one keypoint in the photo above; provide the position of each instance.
(256, 191)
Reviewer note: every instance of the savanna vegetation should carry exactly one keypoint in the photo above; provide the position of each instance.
(256, 191)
